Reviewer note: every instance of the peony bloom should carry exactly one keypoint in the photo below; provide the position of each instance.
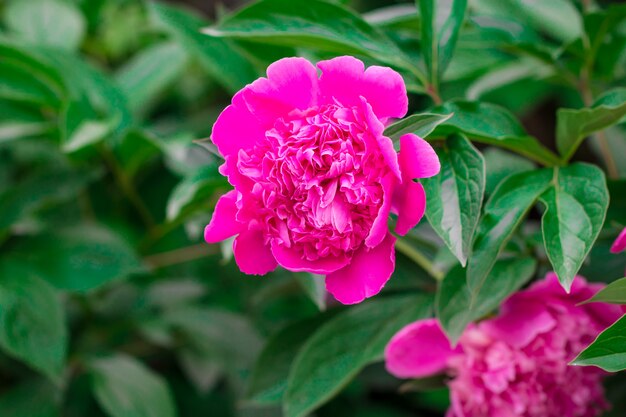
(314, 177)
(620, 243)
(516, 364)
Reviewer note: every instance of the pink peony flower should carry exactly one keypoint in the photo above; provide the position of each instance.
(516, 364)
(315, 178)
(620, 243)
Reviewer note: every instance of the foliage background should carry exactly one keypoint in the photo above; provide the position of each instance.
(110, 304)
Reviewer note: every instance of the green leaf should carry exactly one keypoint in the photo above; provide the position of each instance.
(145, 76)
(18, 401)
(20, 121)
(455, 195)
(493, 125)
(336, 353)
(126, 388)
(608, 351)
(268, 381)
(457, 305)
(420, 124)
(320, 25)
(504, 211)
(20, 83)
(81, 258)
(441, 23)
(223, 59)
(572, 126)
(46, 22)
(135, 150)
(576, 205)
(614, 293)
(315, 288)
(500, 164)
(32, 322)
(194, 192)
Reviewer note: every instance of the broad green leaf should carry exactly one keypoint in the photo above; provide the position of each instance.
(455, 195)
(126, 388)
(223, 59)
(19, 121)
(32, 322)
(320, 25)
(88, 133)
(268, 381)
(19, 83)
(194, 192)
(614, 293)
(135, 150)
(500, 164)
(314, 286)
(457, 305)
(441, 22)
(80, 258)
(493, 125)
(395, 17)
(576, 203)
(420, 124)
(46, 22)
(503, 212)
(608, 351)
(336, 353)
(558, 18)
(573, 125)
(18, 401)
(144, 77)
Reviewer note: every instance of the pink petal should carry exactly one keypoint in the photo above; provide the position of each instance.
(620, 243)
(345, 80)
(291, 83)
(223, 223)
(376, 129)
(520, 322)
(417, 158)
(366, 274)
(379, 228)
(252, 255)
(409, 202)
(236, 128)
(418, 350)
(293, 261)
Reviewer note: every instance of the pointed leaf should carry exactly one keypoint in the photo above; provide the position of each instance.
(576, 205)
(420, 124)
(614, 293)
(608, 351)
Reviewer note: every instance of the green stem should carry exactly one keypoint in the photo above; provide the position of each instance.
(416, 256)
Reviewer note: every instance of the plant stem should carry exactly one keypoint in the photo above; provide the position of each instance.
(179, 256)
(419, 259)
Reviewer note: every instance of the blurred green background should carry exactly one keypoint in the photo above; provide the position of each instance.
(110, 302)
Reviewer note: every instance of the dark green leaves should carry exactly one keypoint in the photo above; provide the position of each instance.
(343, 346)
(420, 124)
(503, 213)
(457, 305)
(608, 351)
(455, 195)
(126, 388)
(576, 205)
(319, 25)
(224, 60)
(32, 322)
(493, 125)
(574, 125)
(441, 23)
(614, 293)
(193, 192)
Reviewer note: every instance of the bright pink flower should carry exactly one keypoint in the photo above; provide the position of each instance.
(620, 243)
(315, 178)
(516, 364)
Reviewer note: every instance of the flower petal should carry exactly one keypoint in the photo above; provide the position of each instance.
(417, 158)
(293, 261)
(345, 80)
(223, 223)
(366, 274)
(620, 243)
(418, 350)
(379, 228)
(291, 83)
(252, 255)
(410, 203)
(520, 322)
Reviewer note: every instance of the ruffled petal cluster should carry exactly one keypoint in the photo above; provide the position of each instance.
(314, 177)
(515, 364)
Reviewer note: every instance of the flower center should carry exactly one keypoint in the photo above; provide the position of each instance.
(316, 181)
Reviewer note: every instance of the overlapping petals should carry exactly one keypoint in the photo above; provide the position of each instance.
(516, 364)
(314, 176)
